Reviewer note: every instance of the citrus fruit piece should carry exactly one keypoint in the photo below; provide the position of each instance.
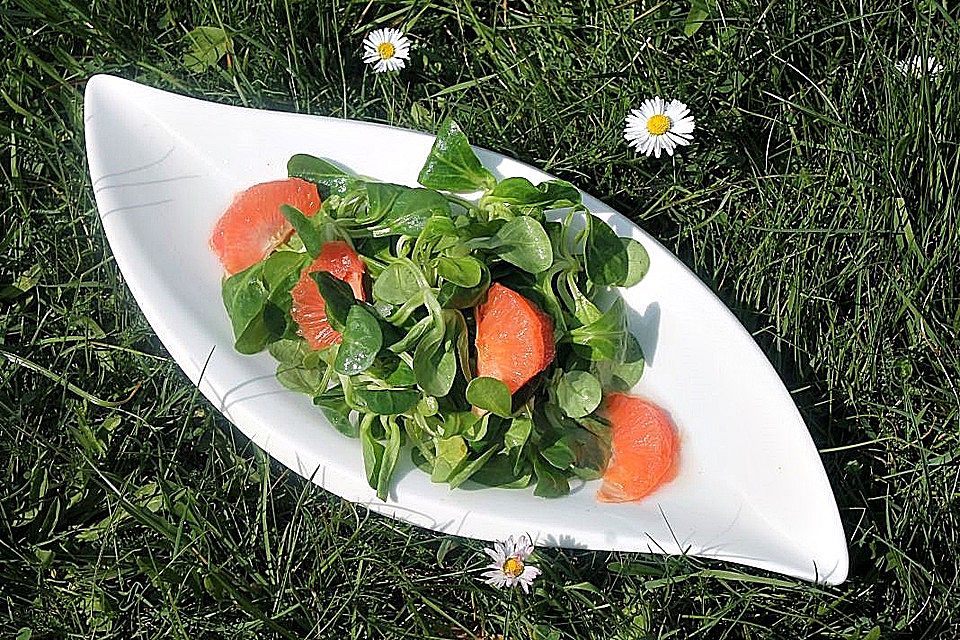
(514, 338)
(644, 448)
(308, 309)
(252, 226)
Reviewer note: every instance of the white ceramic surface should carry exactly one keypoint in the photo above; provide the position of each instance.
(751, 488)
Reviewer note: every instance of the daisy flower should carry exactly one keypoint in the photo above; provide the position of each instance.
(916, 67)
(659, 126)
(386, 49)
(509, 567)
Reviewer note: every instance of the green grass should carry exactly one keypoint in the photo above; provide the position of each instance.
(819, 201)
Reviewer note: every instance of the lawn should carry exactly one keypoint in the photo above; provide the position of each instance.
(818, 200)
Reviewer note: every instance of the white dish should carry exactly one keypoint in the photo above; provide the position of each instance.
(751, 488)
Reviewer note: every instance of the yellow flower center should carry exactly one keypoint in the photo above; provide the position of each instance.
(513, 566)
(658, 124)
(386, 50)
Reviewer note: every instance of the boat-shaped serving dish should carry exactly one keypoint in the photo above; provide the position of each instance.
(751, 488)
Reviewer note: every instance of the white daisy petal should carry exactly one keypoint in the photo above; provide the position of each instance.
(495, 555)
(917, 67)
(529, 573)
(683, 127)
(524, 547)
(658, 126)
(386, 49)
(509, 567)
(677, 140)
(675, 114)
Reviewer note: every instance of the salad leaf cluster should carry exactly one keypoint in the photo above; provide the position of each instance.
(403, 373)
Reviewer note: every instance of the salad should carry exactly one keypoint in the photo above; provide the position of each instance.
(455, 317)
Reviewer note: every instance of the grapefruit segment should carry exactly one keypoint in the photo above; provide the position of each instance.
(514, 338)
(252, 226)
(645, 448)
(308, 309)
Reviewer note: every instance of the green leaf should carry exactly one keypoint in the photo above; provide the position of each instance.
(462, 345)
(605, 255)
(552, 194)
(337, 411)
(500, 471)
(453, 296)
(465, 271)
(605, 338)
(517, 433)
(386, 402)
(466, 471)
(391, 453)
(452, 165)
(337, 297)
(245, 296)
(428, 407)
(466, 424)
(477, 430)
(638, 262)
(330, 178)
(399, 283)
(395, 373)
(415, 334)
(699, 11)
(255, 299)
(558, 455)
(381, 199)
(583, 309)
(372, 451)
(549, 301)
(290, 352)
(435, 230)
(435, 358)
(309, 234)
(524, 242)
(298, 378)
(491, 395)
(551, 483)
(475, 230)
(362, 341)
(450, 454)
(206, 46)
(590, 453)
(624, 372)
(578, 393)
(281, 271)
(411, 211)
